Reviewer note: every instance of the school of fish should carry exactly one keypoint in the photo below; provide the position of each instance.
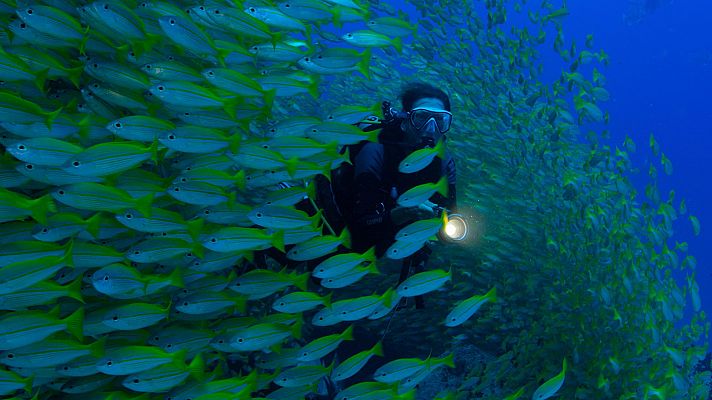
(144, 143)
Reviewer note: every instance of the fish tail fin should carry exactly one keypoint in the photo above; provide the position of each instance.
(450, 360)
(93, 225)
(398, 44)
(278, 241)
(492, 294)
(74, 289)
(240, 180)
(300, 281)
(40, 78)
(292, 165)
(75, 75)
(241, 304)
(268, 98)
(440, 149)
(40, 207)
(52, 116)
(143, 205)
(348, 334)
(153, 149)
(327, 299)
(345, 238)
(377, 349)
(195, 227)
(97, 348)
(313, 89)
(373, 268)
(196, 368)
(364, 65)
(443, 186)
(175, 278)
(68, 258)
(297, 328)
(75, 324)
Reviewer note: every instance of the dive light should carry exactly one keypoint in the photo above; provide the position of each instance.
(455, 229)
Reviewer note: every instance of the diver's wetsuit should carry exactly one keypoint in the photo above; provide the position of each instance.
(378, 183)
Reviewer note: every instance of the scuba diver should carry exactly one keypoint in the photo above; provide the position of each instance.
(375, 216)
(361, 196)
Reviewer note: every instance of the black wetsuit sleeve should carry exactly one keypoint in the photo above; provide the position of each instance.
(369, 195)
(370, 223)
(449, 171)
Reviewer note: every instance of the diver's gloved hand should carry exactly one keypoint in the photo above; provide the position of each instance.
(404, 215)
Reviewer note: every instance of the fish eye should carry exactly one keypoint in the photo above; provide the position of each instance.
(172, 21)
(258, 215)
(60, 192)
(23, 25)
(176, 189)
(213, 240)
(281, 304)
(147, 66)
(240, 340)
(128, 216)
(108, 363)
(116, 318)
(161, 88)
(135, 381)
(106, 277)
(206, 212)
(156, 338)
(45, 230)
(29, 11)
(252, 9)
(10, 355)
(21, 147)
(76, 163)
(66, 368)
(201, 8)
(168, 346)
(95, 65)
(96, 85)
(171, 137)
(183, 180)
(287, 5)
(106, 6)
(118, 124)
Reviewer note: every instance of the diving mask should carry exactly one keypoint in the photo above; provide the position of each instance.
(419, 117)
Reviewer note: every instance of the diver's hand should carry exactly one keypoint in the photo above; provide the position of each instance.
(404, 215)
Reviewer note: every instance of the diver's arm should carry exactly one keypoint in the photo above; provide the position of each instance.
(369, 196)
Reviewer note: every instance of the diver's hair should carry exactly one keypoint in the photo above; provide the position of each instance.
(415, 91)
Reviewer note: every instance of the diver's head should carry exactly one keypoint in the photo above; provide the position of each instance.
(429, 115)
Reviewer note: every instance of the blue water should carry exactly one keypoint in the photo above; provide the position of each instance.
(660, 81)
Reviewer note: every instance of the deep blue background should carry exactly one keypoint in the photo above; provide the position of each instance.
(660, 81)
